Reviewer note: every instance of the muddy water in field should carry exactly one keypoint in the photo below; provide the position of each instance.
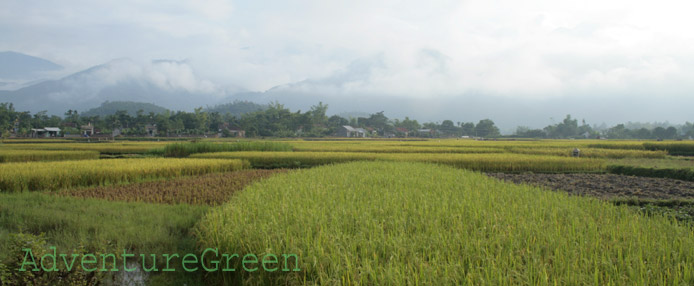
(606, 185)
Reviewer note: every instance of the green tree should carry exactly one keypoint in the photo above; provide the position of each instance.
(409, 124)
(486, 128)
(468, 128)
(318, 114)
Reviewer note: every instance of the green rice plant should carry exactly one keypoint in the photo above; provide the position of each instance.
(14, 155)
(95, 224)
(34, 176)
(186, 149)
(675, 149)
(396, 223)
(479, 162)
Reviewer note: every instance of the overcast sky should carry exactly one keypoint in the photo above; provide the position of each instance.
(520, 49)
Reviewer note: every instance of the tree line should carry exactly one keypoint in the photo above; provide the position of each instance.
(569, 128)
(275, 120)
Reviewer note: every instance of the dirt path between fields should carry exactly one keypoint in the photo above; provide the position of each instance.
(606, 186)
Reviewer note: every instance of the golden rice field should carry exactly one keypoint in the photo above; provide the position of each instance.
(356, 212)
(104, 148)
(16, 155)
(478, 162)
(564, 148)
(35, 176)
(394, 149)
(589, 152)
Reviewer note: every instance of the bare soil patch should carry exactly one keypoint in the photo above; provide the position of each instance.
(210, 189)
(606, 186)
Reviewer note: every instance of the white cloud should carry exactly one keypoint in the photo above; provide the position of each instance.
(511, 48)
(166, 75)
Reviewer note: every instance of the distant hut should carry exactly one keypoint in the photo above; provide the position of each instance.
(151, 129)
(87, 130)
(45, 132)
(349, 131)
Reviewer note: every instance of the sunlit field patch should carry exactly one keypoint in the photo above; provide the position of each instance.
(398, 223)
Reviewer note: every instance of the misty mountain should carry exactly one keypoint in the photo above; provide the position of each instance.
(111, 107)
(351, 90)
(17, 66)
(174, 85)
(171, 84)
(506, 111)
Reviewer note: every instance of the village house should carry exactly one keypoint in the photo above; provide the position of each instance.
(151, 129)
(45, 132)
(236, 132)
(229, 131)
(116, 132)
(87, 130)
(349, 131)
(403, 131)
(426, 132)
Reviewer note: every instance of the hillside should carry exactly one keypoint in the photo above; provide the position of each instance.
(110, 107)
(15, 65)
(237, 108)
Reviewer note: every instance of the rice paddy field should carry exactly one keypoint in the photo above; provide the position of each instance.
(353, 212)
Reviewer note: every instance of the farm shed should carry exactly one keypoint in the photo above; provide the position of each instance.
(151, 129)
(231, 131)
(88, 129)
(236, 132)
(45, 132)
(349, 131)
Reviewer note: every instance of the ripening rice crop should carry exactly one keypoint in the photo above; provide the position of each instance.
(394, 149)
(590, 152)
(41, 140)
(386, 223)
(104, 148)
(627, 145)
(186, 149)
(13, 155)
(33, 176)
(210, 189)
(675, 149)
(479, 162)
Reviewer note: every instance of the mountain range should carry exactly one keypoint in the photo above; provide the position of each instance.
(18, 70)
(171, 84)
(175, 85)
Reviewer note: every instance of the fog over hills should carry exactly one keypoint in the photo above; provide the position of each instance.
(15, 65)
(171, 84)
(17, 69)
(526, 63)
(176, 85)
